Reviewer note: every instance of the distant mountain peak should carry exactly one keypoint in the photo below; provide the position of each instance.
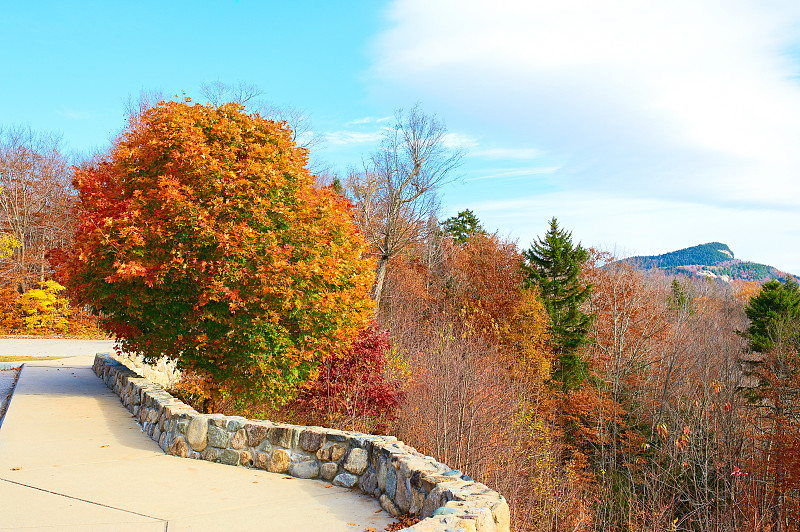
(713, 260)
(708, 254)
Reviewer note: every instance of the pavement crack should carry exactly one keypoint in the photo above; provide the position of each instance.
(165, 521)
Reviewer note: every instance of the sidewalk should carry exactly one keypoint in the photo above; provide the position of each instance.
(73, 458)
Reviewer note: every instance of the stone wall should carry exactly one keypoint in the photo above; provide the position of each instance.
(403, 480)
(163, 372)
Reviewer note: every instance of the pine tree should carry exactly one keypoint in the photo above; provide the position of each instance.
(553, 264)
(462, 226)
(774, 316)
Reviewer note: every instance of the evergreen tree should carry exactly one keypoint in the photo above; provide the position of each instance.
(462, 225)
(553, 264)
(774, 317)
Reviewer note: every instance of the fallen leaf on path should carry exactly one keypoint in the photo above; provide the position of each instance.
(329, 486)
(288, 478)
(15, 468)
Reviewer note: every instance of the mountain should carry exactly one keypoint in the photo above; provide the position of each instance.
(714, 260)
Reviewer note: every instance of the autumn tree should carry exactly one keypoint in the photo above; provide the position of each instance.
(395, 195)
(202, 239)
(36, 202)
(553, 264)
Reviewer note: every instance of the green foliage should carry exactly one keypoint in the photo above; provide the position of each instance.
(43, 310)
(203, 239)
(553, 264)
(704, 254)
(774, 316)
(462, 225)
(679, 299)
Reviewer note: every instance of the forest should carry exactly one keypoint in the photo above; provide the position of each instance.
(593, 395)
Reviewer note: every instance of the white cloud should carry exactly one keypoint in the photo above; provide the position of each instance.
(513, 173)
(345, 137)
(368, 120)
(683, 99)
(459, 141)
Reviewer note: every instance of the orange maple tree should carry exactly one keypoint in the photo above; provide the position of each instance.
(202, 239)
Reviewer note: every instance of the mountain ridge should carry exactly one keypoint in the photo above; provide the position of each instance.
(712, 260)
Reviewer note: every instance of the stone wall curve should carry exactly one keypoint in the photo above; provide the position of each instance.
(403, 480)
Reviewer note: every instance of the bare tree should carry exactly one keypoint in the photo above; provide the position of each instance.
(36, 202)
(396, 193)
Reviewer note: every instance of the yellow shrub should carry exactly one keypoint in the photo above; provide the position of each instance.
(43, 310)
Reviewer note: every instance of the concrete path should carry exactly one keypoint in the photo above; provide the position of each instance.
(50, 347)
(73, 458)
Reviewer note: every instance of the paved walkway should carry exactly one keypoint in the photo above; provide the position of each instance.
(51, 347)
(73, 458)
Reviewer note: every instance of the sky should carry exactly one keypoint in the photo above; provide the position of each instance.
(643, 127)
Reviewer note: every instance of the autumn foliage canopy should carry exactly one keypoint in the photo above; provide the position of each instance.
(202, 238)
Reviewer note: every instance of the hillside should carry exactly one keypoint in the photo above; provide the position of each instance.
(713, 260)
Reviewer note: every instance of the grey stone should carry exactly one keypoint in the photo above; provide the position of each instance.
(388, 505)
(239, 439)
(255, 434)
(278, 462)
(235, 423)
(357, 461)
(210, 454)
(281, 436)
(218, 437)
(230, 457)
(311, 440)
(401, 497)
(304, 469)
(391, 481)
(328, 470)
(196, 433)
(345, 480)
(368, 482)
(382, 465)
(434, 500)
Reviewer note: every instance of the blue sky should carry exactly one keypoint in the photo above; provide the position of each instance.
(642, 126)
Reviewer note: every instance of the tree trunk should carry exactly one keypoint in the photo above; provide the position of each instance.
(380, 275)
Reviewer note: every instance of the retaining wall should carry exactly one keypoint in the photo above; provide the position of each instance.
(403, 480)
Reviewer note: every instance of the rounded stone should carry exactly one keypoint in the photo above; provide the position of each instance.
(278, 462)
(328, 470)
(304, 469)
(357, 461)
(345, 480)
(196, 433)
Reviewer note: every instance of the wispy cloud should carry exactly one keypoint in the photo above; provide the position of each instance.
(514, 173)
(684, 99)
(666, 123)
(345, 137)
(368, 120)
(459, 141)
